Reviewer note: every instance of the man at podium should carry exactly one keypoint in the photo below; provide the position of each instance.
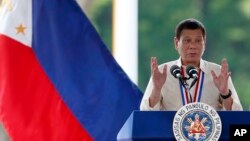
(169, 88)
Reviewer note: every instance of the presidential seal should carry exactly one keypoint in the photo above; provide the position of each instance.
(197, 122)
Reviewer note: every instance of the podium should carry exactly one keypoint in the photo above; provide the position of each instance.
(158, 125)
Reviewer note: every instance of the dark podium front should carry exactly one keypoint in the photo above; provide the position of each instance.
(157, 125)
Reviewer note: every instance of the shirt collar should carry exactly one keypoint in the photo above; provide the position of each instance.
(202, 65)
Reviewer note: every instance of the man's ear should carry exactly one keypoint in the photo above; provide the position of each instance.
(176, 41)
(204, 43)
(205, 40)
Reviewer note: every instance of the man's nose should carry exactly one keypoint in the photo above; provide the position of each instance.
(193, 44)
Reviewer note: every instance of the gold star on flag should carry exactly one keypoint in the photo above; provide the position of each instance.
(7, 4)
(20, 29)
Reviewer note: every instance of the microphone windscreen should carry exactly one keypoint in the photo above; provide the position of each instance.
(191, 71)
(175, 71)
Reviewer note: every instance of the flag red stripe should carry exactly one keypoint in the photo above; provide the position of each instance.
(34, 111)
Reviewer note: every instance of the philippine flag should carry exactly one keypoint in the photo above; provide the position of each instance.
(58, 81)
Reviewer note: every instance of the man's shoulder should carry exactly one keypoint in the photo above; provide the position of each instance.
(211, 65)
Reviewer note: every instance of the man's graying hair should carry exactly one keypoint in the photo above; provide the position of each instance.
(189, 24)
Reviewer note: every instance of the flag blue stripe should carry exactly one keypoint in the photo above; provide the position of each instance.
(91, 83)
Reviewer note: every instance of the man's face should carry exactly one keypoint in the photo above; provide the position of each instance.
(190, 46)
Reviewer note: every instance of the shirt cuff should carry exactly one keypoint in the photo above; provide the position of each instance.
(155, 108)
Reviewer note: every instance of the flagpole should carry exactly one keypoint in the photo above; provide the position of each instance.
(125, 36)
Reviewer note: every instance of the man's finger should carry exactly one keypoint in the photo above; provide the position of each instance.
(164, 70)
(213, 75)
(224, 66)
(152, 64)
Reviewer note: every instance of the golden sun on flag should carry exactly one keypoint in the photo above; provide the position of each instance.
(20, 29)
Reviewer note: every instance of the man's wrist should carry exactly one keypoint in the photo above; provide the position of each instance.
(226, 96)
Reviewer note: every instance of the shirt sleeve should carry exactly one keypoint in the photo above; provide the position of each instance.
(236, 106)
(145, 100)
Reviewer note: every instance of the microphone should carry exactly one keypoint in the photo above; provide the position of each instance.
(176, 71)
(193, 73)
